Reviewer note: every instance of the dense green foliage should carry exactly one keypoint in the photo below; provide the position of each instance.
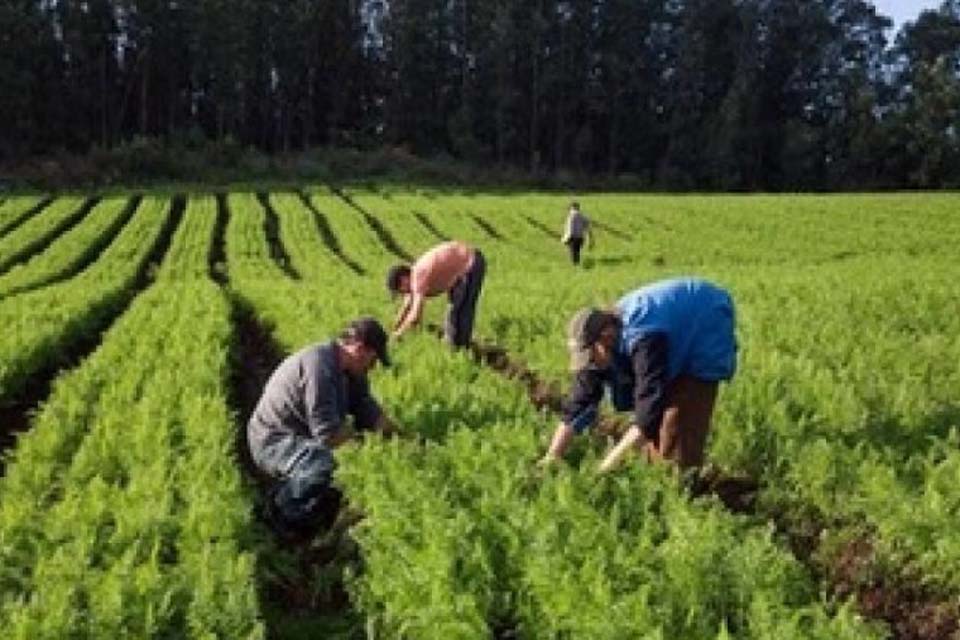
(40, 326)
(122, 511)
(71, 250)
(121, 514)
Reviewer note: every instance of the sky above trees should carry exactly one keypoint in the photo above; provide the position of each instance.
(904, 10)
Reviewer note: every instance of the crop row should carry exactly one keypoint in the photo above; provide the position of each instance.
(462, 540)
(43, 326)
(122, 513)
(15, 210)
(70, 251)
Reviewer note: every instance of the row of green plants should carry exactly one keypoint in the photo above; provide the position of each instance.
(462, 538)
(854, 411)
(21, 242)
(71, 250)
(14, 210)
(43, 326)
(844, 400)
(122, 513)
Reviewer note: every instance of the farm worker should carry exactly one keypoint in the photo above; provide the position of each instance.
(576, 230)
(454, 268)
(301, 418)
(662, 351)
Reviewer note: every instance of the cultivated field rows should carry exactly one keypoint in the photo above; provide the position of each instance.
(844, 409)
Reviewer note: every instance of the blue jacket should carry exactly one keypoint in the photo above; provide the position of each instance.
(682, 326)
(695, 316)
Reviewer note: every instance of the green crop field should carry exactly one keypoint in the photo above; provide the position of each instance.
(138, 330)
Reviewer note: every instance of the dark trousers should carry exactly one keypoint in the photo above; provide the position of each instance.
(463, 296)
(299, 498)
(575, 244)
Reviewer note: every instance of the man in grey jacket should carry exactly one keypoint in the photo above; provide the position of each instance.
(301, 418)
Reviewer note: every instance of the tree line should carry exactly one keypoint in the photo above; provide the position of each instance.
(705, 94)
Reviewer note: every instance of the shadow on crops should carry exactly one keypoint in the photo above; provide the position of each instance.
(429, 226)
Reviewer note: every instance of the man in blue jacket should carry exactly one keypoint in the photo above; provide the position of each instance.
(662, 351)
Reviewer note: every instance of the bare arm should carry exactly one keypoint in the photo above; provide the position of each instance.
(402, 313)
(633, 438)
(562, 437)
(412, 316)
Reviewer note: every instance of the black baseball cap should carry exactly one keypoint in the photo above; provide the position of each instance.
(393, 277)
(369, 332)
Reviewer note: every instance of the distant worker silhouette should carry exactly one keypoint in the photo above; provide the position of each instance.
(576, 232)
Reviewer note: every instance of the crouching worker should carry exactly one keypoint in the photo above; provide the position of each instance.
(300, 419)
(662, 352)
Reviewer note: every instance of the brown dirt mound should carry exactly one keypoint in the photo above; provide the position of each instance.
(911, 610)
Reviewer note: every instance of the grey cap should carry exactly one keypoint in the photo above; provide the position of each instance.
(584, 329)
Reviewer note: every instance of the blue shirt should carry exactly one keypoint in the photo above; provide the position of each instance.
(682, 326)
(695, 316)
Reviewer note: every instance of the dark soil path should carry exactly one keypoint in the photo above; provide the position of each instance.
(271, 227)
(429, 226)
(488, 228)
(300, 580)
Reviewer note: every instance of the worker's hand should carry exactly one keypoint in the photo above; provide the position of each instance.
(386, 427)
(390, 432)
(547, 461)
(342, 436)
(604, 467)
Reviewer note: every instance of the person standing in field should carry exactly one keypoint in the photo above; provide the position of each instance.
(454, 268)
(576, 231)
(662, 351)
(301, 418)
